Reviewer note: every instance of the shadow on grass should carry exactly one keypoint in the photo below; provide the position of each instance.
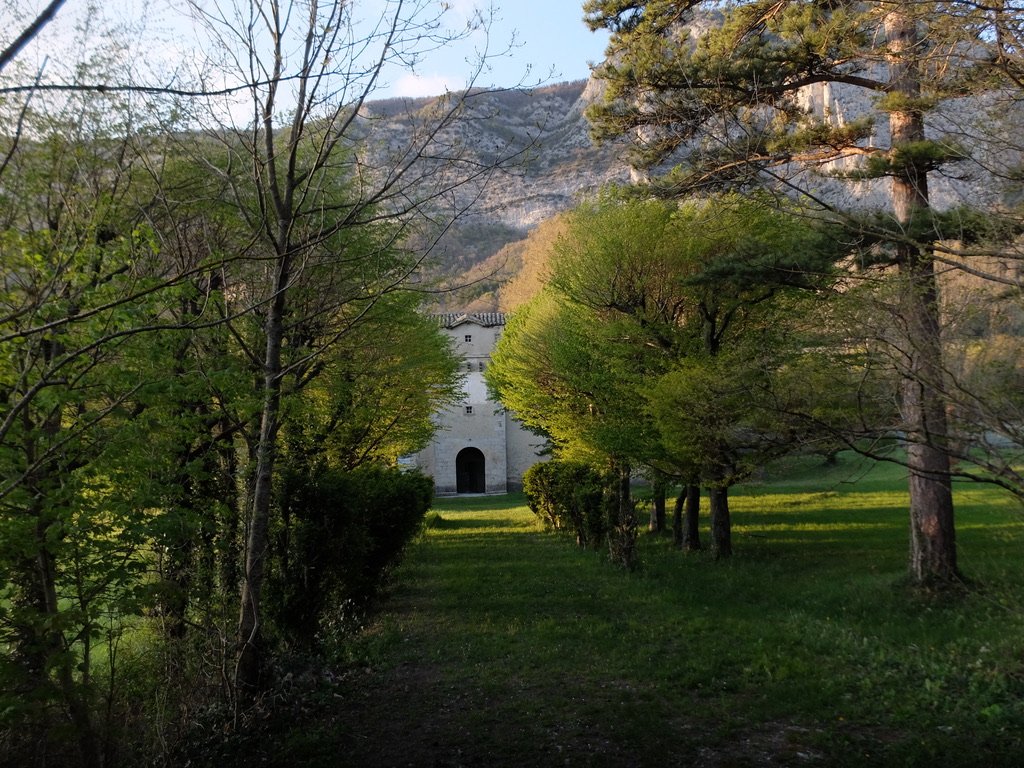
(452, 523)
(504, 645)
(478, 503)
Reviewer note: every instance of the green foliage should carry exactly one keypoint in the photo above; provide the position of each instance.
(914, 157)
(374, 395)
(83, 498)
(878, 236)
(569, 496)
(552, 367)
(710, 94)
(131, 314)
(657, 339)
(344, 533)
(809, 138)
(645, 289)
(901, 102)
(704, 410)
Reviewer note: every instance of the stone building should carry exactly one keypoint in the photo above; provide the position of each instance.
(479, 447)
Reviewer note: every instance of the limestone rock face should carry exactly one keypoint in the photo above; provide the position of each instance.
(559, 164)
(982, 125)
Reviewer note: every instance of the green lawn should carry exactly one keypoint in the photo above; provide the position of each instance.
(505, 645)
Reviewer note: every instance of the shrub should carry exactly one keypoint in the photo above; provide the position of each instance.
(343, 532)
(568, 495)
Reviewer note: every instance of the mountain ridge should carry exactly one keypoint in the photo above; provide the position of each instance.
(560, 165)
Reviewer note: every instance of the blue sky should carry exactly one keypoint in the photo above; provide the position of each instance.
(551, 44)
(543, 41)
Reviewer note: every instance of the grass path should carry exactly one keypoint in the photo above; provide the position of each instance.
(502, 645)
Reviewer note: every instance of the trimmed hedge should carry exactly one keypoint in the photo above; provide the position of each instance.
(342, 534)
(569, 496)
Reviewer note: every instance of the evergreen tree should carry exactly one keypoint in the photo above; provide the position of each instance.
(715, 95)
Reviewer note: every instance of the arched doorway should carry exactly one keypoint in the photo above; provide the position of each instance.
(469, 471)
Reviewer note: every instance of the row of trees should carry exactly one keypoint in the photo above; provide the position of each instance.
(670, 340)
(209, 335)
(678, 337)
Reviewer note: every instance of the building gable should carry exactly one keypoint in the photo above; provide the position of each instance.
(478, 446)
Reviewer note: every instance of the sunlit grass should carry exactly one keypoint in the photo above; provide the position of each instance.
(806, 647)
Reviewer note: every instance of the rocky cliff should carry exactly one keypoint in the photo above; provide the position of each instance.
(558, 162)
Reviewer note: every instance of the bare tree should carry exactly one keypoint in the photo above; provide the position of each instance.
(328, 192)
(29, 33)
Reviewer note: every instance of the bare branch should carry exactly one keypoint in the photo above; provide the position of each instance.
(45, 17)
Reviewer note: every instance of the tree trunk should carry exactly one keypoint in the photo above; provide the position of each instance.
(55, 644)
(932, 530)
(622, 537)
(176, 573)
(677, 518)
(691, 536)
(686, 534)
(657, 523)
(211, 495)
(237, 497)
(721, 526)
(48, 645)
(250, 661)
(932, 534)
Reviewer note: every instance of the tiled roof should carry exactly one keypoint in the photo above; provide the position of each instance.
(484, 319)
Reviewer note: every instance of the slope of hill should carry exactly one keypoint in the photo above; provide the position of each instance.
(559, 164)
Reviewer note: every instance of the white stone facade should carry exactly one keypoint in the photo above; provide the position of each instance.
(479, 447)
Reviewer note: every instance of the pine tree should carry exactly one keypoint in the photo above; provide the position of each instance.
(717, 96)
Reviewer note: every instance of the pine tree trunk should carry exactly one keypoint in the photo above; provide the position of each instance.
(932, 530)
(932, 539)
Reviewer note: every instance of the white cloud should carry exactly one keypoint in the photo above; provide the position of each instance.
(460, 11)
(413, 86)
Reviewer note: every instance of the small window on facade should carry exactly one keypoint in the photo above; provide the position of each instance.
(469, 338)
(481, 365)
(469, 410)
